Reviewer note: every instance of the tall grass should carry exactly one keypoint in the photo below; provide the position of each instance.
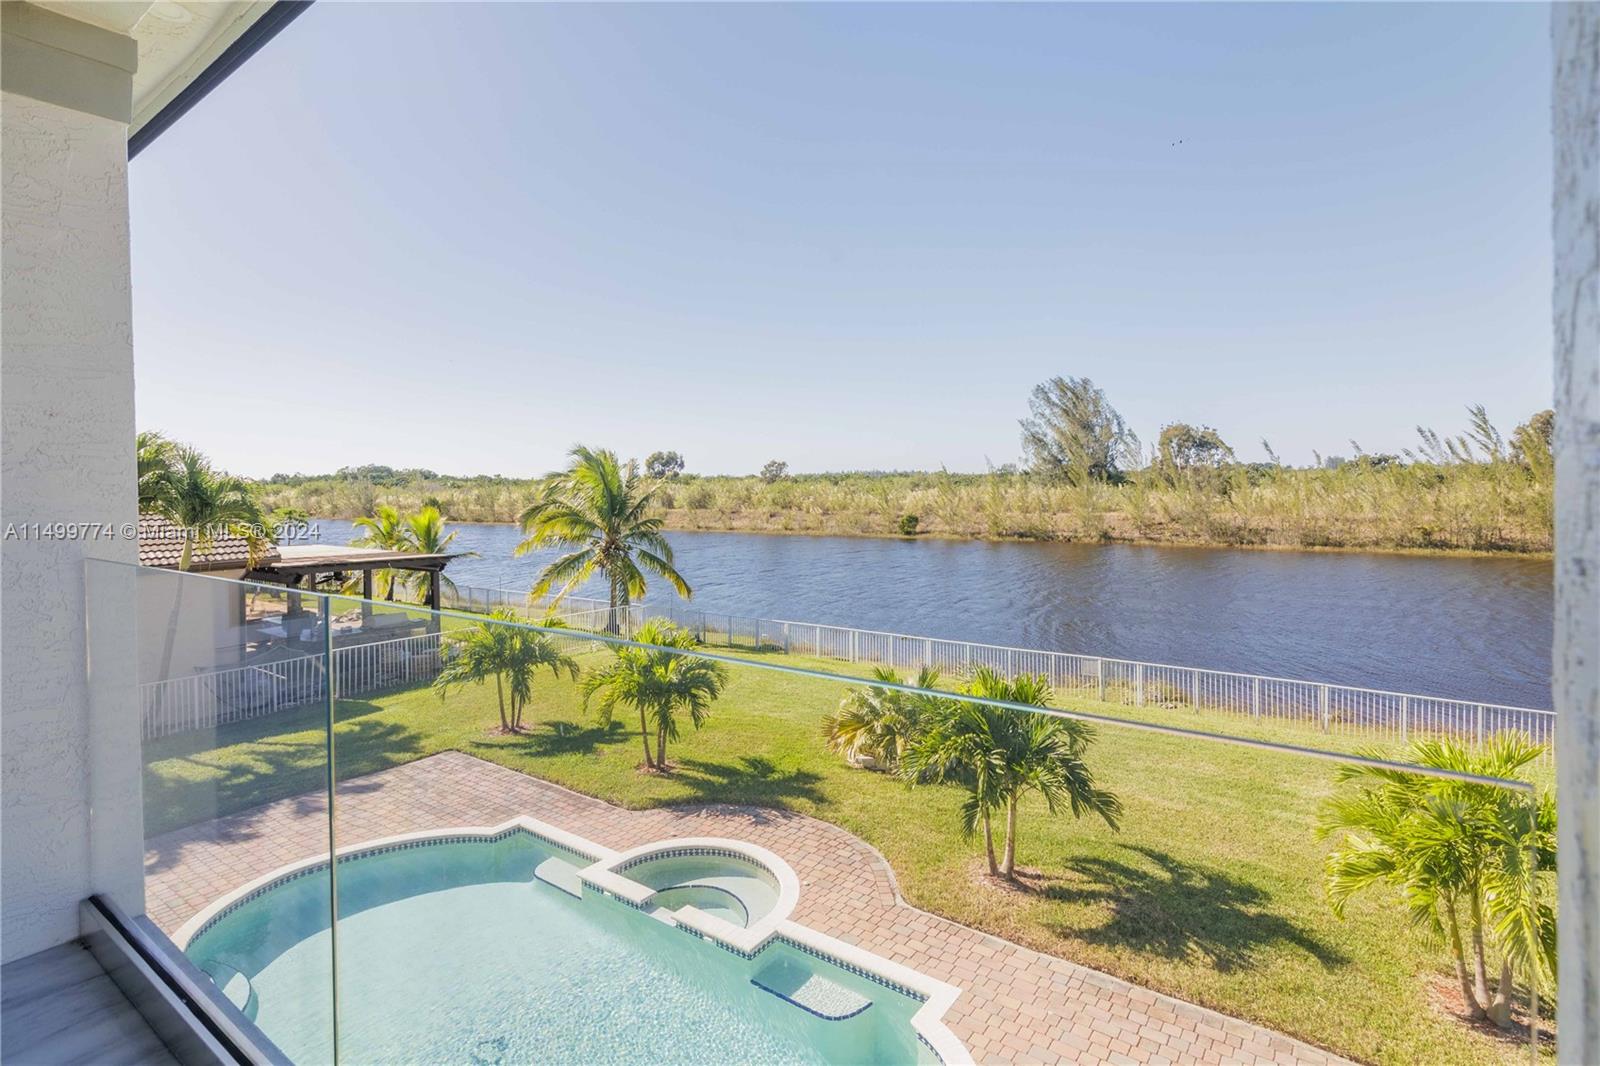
(1499, 505)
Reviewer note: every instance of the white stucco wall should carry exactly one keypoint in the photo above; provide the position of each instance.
(1576, 40)
(66, 454)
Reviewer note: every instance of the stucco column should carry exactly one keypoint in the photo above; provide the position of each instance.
(66, 456)
(1576, 40)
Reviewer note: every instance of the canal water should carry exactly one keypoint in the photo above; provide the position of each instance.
(1468, 628)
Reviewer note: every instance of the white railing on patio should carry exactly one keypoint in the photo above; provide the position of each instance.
(211, 698)
(1375, 714)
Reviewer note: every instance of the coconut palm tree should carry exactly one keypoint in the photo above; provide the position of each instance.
(505, 649)
(1460, 855)
(1001, 754)
(874, 726)
(657, 681)
(601, 509)
(205, 502)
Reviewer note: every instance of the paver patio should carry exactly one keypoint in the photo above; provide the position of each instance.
(1016, 1005)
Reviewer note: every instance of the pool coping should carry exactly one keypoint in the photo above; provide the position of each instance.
(601, 875)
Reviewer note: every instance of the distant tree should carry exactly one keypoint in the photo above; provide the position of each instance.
(1531, 442)
(1075, 435)
(664, 465)
(1185, 447)
(907, 525)
(775, 470)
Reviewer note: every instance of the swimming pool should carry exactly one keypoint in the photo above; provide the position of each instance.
(451, 950)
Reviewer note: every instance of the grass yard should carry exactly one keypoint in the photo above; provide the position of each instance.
(1211, 892)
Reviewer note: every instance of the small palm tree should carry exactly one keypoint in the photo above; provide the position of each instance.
(657, 681)
(1000, 754)
(509, 652)
(1459, 854)
(875, 726)
(602, 509)
(205, 502)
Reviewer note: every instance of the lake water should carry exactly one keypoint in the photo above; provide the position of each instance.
(1469, 628)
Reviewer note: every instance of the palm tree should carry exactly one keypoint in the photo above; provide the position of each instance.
(157, 458)
(876, 725)
(657, 681)
(423, 534)
(1000, 754)
(512, 654)
(602, 509)
(1459, 854)
(205, 502)
(384, 529)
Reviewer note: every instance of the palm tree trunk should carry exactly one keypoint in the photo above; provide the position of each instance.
(988, 845)
(661, 747)
(1480, 970)
(1500, 1008)
(644, 735)
(1459, 956)
(1008, 861)
(611, 610)
(500, 694)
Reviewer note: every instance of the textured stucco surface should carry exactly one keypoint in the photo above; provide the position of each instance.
(1576, 40)
(66, 454)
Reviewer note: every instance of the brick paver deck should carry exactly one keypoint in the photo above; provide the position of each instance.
(1016, 1005)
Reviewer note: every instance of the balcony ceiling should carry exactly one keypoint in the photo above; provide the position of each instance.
(177, 39)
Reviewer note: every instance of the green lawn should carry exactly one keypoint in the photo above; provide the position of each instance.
(1211, 891)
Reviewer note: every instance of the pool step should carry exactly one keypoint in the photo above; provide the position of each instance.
(561, 874)
(826, 999)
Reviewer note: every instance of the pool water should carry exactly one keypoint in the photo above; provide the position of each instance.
(734, 889)
(451, 953)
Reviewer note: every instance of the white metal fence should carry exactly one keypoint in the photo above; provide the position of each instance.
(210, 699)
(1375, 714)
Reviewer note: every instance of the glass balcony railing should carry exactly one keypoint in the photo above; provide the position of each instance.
(387, 834)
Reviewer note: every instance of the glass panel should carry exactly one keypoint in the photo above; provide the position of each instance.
(211, 705)
(514, 884)
(480, 821)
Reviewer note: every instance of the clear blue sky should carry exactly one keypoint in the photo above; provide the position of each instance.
(467, 236)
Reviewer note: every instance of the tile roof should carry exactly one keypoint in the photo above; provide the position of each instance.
(161, 544)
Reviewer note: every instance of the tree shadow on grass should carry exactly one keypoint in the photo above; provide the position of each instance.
(559, 738)
(218, 792)
(1161, 905)
(752, 780)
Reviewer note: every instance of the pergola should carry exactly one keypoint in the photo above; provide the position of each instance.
(302, 566)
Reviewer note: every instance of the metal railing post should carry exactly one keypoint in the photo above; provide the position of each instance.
(1405, 719)
(1322, 700)
(1194, 689)
(1138, 685)
(1100, 678)
(927, 652)
(1480, 725)
(1255, 697)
